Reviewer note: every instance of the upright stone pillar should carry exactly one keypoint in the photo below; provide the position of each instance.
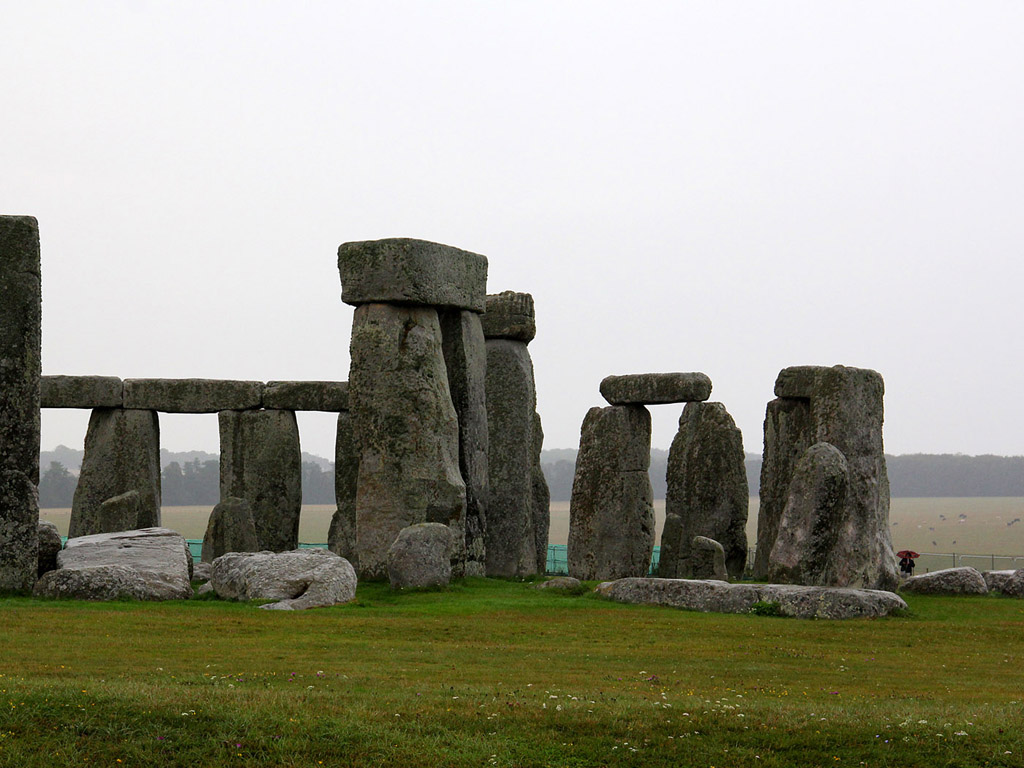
(512, 522)
(540, 498)
(403, 417)
(341, 537)
(20, 368)
(122, 454)
(261, 462)
(707, 491)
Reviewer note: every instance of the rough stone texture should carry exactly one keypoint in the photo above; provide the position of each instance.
(301, 578)
(261, 462)
(540, 499)
(707, 559)
(611, 513)
(421, 557)
(122, 453)
(341, 536)
(721, 597)
(407, 431)
(157, 555)
(100, 582)
(192, 395)
(81, 392)
(707, 491)
(656, 388)
(1010, 583)
(511, 404)
(566, 583)
(465, 358)
(202, 572)
(949, 581)
(49, 545)
(844, 409)
(20, 367)
(797, 381)
(328, 396)
(812, 519)
(119, 513)
(407, 271)
(230, 529)
(510, 315)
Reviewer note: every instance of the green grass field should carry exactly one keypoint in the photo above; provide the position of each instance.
(496, 673)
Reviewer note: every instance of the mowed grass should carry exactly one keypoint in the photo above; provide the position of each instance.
(496, 673)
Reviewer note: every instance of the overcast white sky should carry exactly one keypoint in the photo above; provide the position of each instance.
(724, 187)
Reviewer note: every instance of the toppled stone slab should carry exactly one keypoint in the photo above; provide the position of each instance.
(192, 395)
(49, 545)
(81, 392)
(510, 315)
(326, 396)
(721, 597)
(409, 271)
(156, 555)
(1010, 583)
(229, 529)
(948, 581)
(299, 579)
(563, 583)
(421, 557)
(656, 388)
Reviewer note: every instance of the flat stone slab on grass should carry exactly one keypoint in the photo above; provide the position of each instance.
(81, 392)
(564, 583)
(949, 581)
(325, 396)
(300, 578)
(712, 596)
(192, 395)
(408, 271)
(656, 388)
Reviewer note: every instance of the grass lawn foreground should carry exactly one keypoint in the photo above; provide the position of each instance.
(495, 673)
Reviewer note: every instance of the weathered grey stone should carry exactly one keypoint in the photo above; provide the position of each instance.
(157, 555)
(192, 395)
(720, 597)
(341, 536)
(298, 579)
(707, 493)
(119, 513)
(511, 404)
(98, 582)
(230, 529)
(202, 572)
(707, 559)
(20, 367)
(566, 583)
(656, 388)
(261, 462)
(466, 361)
(407, 271)
(81, 392)
(611, 513)
(122, 453)
(797, 381)
(540, 499)
(510, 315)
(1009, 583)
(407, 431)
(328, 396)
(49, 545)
(812, 519)
(189, 560)
(421, 557)
(949, 581)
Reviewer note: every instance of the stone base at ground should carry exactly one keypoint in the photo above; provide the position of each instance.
(301, 578)
(721, 597)
(100, 582)
(421, 557)
(949, 581)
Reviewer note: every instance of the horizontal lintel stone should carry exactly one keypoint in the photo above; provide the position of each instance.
(328, 396)
(81, 392)
(192, 395)
(408, 271)
(656, 388)
(509, 315)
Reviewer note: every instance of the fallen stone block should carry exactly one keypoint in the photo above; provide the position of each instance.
(299, 579)
(656, 388)
(421, 557)
(1009, 583)
(949, 581)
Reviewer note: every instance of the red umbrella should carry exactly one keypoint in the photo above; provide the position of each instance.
(908, 553)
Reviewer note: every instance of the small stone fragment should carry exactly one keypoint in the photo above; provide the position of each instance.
(562, 583)
(656, 388)
(50, 544)
(707, 559)
(421, 557)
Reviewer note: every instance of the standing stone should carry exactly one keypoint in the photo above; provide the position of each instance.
(122, 453)
(611, 513)
(341, 537)
(465, 357)
(406, 429)
(119, 513)
(707, 492)
(540, 499)
(230, 529)
(707, 559)
(261, 462)
(20, 368)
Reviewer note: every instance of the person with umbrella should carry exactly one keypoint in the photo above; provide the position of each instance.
(907, 558)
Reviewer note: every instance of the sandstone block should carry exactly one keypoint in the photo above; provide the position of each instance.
(510, 315)
(19, 531)
(949, 581)
(298, 579)
(707, 559)
(119, 513)
(230, 529)
(192, 395)
(1009, 583)
(656, 388)
(328, 396)
(99, 582)
(540, 498)
(341, 536)
(81, 392)
(49, 545)
(797, 381)
(407, 271)
(421, 557)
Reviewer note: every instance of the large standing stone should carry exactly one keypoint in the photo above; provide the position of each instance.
(229, 529)
(656, 388)
(466, 361)
(341, 537)
(611, 514)
(407, 431)
(20, 367)
(81, 392)
(122, 453)
(707, 490)
(540, 498)
(261, 462)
